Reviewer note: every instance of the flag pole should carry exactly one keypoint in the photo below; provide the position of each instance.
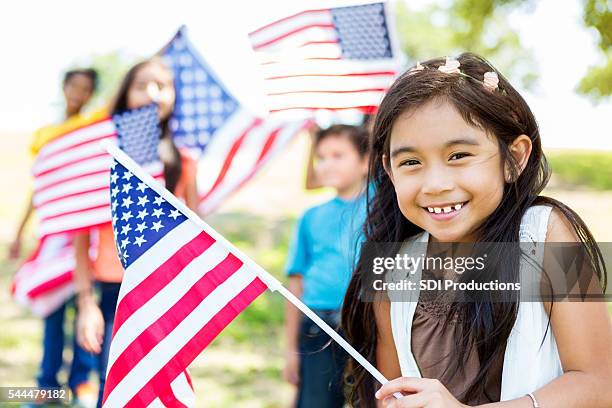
(273, 284)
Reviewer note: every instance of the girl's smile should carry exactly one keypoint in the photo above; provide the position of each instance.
(444, 212)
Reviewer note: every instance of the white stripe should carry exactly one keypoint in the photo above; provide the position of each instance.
(327, 67)
(76, 169)
(45, 305)
(70, 204)
(291, 43)
(81, 153)
(282, 27)
(77, 136)
(218, 149)
(325, 100)
(159, 253)
(302, 52)
(327, 83)
(165, 350)
(163, 300)
(77, 185)
(182, 390)
(69, 222)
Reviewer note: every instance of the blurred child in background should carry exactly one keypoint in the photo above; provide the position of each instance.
(146, 82)
(320, 263)
(79, 86)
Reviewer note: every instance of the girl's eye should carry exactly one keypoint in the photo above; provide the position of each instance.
(409, 162)
(459, 156)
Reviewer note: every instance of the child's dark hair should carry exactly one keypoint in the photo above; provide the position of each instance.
(90, 73)
(504, 115)
(173, 168)
(356, 135)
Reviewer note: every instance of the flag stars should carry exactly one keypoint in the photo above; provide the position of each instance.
(114, 178)
(157, 225)
(174, 214)
(127, 175)
(125, 229)
(141, 187)
(140, 240)
(113, 164)
(158, 212)
(114, 206)
(124, 243)
(158, 200)
(142, 214)
(143, 200)
(114, 191)
(141, 227)
(127, 187)
(127, 202)
(126, 216)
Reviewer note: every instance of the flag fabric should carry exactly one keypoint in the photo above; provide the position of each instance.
(71, 172)
(44, 281)
(71, 193)
(183, 284)
(230, 142)
(336, 58)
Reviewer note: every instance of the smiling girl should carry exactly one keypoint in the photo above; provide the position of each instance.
(456, 157)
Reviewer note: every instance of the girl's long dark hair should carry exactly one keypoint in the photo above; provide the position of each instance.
(504, 114)
(173, 167)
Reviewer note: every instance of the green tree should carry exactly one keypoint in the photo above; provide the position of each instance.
(467, 25)
(597, 83)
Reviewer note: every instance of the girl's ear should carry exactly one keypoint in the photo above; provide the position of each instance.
(520, 149)
(387, 169)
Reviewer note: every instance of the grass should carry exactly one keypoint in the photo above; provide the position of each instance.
(583, 168)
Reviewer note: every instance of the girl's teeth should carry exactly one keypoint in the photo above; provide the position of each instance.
(438, 210)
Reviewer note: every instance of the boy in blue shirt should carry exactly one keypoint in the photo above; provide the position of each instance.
(320, 264)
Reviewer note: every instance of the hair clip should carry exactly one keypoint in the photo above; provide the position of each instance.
(490, 81)
(450, 67)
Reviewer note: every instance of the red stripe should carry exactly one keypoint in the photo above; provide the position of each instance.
(366, 109)
(165, 324)
(50, 284)
(260, 29)
(166, 272)
(307, 43)
(352, 74)
(289, 33)
(81, 143)
(78, 176)
(229, 158)
(196, 344)
(80, 210)
(332, 92)
(79, 160)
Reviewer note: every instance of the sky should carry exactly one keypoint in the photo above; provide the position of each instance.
(40, 39)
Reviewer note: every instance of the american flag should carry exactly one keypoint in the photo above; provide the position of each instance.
(71, 193)
(337, 58)
(232, 143)
(183, 284)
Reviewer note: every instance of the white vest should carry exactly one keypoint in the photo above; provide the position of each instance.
(527, 366)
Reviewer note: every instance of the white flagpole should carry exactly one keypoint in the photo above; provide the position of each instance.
(270, 281)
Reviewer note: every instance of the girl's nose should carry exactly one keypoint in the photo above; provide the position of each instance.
(437, 180)
(153, 91)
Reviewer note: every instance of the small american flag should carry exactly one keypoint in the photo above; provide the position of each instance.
(337, 58)
(183, 284)
(232, 144)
